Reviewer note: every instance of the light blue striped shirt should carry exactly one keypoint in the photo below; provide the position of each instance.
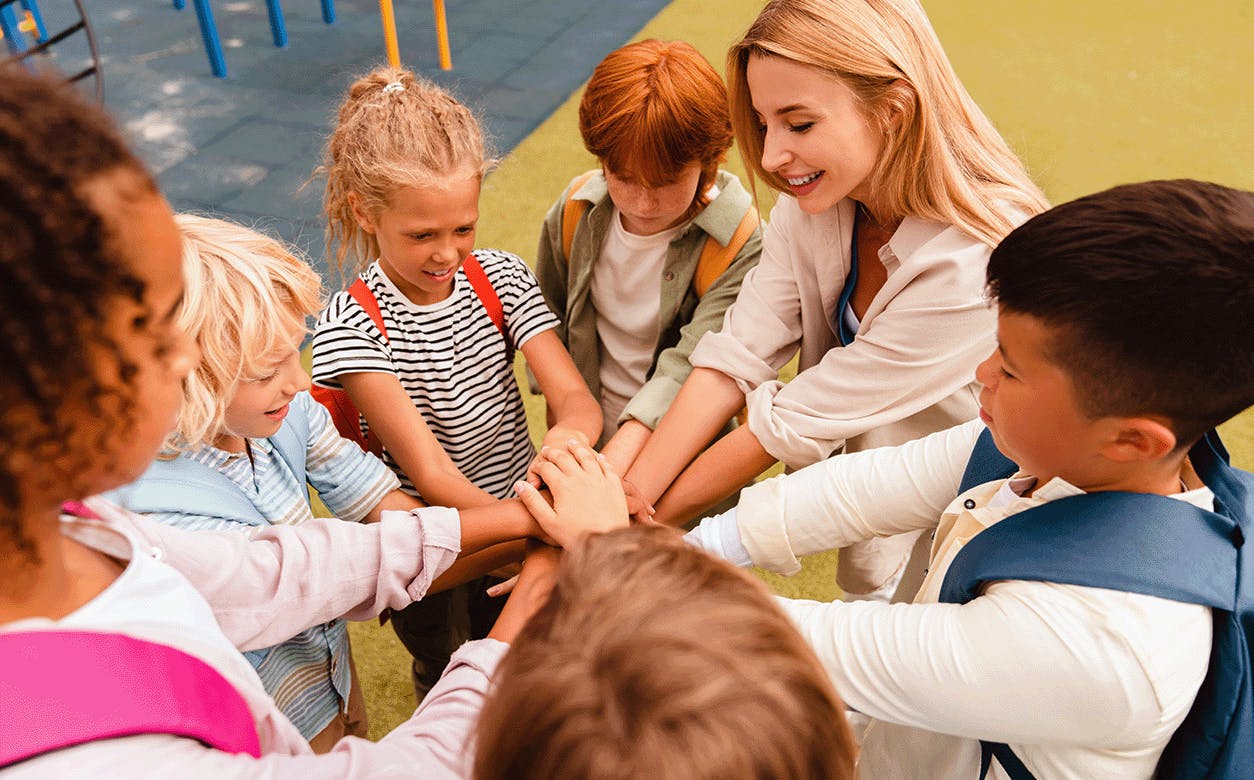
(308, 676)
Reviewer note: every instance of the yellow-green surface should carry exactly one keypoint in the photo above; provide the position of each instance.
(1091, 94)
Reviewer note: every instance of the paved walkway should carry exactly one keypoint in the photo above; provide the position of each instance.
(241, 147)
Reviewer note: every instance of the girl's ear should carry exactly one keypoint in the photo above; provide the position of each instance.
(1140, 439)
(364, 220)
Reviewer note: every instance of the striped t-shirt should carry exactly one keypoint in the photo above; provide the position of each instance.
(450, 358)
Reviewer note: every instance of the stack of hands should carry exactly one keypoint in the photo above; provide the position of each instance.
(571, 491)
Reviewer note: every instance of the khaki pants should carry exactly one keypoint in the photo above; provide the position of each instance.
(350, 721)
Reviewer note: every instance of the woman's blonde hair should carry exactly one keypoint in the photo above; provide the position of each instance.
(393, 130)
(942, 159)
(245, 295)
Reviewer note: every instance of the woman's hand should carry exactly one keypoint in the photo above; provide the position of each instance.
(587, 494)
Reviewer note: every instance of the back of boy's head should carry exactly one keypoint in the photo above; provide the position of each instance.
(1149, 289)
(60, 275)
(653, 659)
(246, 293)
(393, 130)
(652, 108)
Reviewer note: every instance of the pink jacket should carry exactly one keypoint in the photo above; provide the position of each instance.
(261, 591)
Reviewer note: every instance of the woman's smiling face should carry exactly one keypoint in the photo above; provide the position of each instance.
(815, 133)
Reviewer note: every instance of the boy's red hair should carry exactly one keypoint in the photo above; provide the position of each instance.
(652, 108)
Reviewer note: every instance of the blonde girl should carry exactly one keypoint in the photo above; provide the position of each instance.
(894, 189)
(404, 166)
(435, 385)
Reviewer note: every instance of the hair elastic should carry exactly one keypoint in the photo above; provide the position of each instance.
(394, 86)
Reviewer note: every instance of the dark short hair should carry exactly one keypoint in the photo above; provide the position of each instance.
(1150, 290)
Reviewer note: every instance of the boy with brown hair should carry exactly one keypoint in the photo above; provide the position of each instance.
(1121, 317)
(651, 659)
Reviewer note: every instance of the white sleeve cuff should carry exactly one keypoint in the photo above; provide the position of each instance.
(720, 536)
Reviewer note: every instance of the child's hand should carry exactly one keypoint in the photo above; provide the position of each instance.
(638, 509)
(529, 591)
(556, 439)
(587, 494)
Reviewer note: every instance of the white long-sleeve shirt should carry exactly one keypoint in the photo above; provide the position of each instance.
(1081, 682)
(909, 371)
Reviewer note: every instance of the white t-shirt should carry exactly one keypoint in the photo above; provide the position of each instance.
(627, 294)
(450, 358)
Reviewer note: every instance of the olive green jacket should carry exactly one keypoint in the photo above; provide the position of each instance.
(683, 317)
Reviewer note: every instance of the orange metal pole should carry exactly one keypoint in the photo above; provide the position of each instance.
(441, 34)
(389, 33)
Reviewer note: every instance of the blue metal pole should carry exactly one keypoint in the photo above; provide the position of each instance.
(278, 27)
(13, 35)
(209, 33)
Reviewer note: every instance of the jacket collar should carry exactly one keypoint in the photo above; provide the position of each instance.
(719, 219)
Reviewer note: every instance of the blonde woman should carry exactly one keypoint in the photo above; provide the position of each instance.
(894, 189)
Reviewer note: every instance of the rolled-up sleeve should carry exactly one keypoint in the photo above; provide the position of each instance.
(836, 502)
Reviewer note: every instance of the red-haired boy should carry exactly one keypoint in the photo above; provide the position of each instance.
(625, 276)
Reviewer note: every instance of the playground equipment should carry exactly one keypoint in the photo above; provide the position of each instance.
(278, 30)
(28, 40)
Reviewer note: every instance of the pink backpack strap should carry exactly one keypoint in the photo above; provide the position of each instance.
(66, 688)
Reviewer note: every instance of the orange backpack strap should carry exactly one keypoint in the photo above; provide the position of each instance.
(486, 294)
(572, 212)
(715, 258)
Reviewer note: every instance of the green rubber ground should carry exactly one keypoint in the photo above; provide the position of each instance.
(1089, 94)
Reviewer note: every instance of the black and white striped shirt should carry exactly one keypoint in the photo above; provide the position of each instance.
(450, 358)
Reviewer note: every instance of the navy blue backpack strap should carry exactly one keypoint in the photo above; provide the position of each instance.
(985, 464)
(1137, 543)
(1006, 757)
(843, 334)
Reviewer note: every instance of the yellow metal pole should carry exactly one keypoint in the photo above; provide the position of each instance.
(389, 33)
(441, 35)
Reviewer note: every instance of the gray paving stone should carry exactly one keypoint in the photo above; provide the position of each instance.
(240, 147)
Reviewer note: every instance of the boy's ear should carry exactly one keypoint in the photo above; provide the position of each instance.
(364, 220)
(1139, 439)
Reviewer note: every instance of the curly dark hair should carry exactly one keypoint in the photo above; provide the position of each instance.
(59, 273)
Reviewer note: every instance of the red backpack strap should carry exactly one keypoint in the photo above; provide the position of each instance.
(344, 413)
(361, 293)
(490, 300)
(66, 688)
